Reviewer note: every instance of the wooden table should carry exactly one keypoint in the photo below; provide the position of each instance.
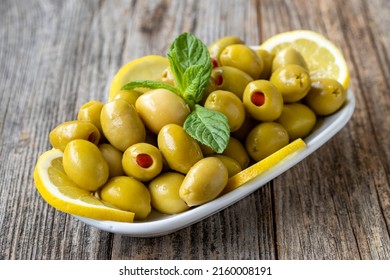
(57, 55)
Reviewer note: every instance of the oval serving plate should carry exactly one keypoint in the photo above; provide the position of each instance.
(158, 224)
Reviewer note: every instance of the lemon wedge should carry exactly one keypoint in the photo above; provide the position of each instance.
(63, 194)
(145, 68)
(323, 58)
(262, 166)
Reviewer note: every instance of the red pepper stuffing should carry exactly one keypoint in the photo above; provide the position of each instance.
(258, 98)
(218, 80)
(144, 160)
(215, 62)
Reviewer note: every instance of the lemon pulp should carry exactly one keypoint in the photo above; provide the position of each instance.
(63, 194)
(323, 58)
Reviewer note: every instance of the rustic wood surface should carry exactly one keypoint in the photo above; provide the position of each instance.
(56, 55)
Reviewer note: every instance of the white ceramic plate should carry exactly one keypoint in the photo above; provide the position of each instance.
(159, 224)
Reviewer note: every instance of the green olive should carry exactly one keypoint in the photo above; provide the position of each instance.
(127, 194)
(130, 96)
(298, 119)
(236, 150)
(121, 124)
(160, 107)
(288, 56)
(231, 164)
(230, 79)
(90, 111)
(65, 132)
(243, 58)
(113, 158)
(326, 96)
(164, 191)
(142, 161)
(204, 181)
(84, 164)
(167, 77)
(265, 139)
(262, 100)
(228, 104)
(292, 81)
(219, 45)
(267, 58)
(179, 149)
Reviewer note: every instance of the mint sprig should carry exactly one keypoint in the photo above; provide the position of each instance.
(190, 63)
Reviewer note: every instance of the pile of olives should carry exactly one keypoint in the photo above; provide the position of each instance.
(133, 153)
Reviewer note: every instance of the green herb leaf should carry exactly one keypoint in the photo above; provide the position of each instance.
(209, 127)
(190, 63)
(192, 80)
(151, 85)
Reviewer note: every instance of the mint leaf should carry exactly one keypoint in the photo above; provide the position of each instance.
(151, 85)
(192, 80)
(209, 127)
(174, 64)
(190, 63)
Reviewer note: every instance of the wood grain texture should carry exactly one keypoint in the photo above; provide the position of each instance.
(57, 55)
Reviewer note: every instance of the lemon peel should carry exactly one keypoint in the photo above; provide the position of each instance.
(148, 67)
(262, 166)
(63, 194)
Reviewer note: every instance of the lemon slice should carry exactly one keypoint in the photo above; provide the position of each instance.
(323, 58)
(61, 193)
(262, 166)
(145, 68)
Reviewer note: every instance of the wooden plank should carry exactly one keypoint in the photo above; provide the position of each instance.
(41, 53)
(337, 210)
(230, 234)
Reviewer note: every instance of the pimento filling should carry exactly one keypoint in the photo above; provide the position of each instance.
(214, 62)
(144, 160)
(258, 98)
(218, 80)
